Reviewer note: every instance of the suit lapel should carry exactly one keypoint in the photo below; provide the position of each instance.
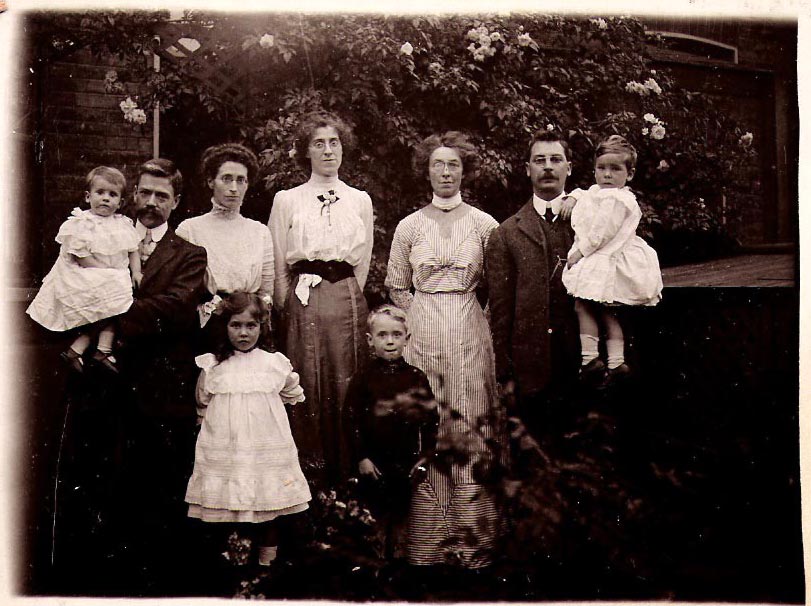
(530, 224)
(163, 252)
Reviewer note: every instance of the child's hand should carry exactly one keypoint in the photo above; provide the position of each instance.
(567, 207)
(136, 279)
(574, 258)
(367, 468)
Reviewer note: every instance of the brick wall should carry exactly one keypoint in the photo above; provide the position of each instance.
(82, 126)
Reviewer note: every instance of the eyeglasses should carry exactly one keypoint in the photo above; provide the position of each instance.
(440, 166)
(321, 145)
(229, 179)
(553, 160)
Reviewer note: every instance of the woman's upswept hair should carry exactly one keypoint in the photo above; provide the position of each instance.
(233, 304)
(386, 310)
(217, 155)
(312, 122)
(615, 144)
(453, 139)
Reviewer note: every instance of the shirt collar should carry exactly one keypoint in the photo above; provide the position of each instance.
(157, 232)
(540, 205)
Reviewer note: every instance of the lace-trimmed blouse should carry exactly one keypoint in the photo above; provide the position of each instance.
(305, 228)
(240, 252)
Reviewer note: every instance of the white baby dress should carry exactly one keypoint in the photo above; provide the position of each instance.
(617, 265)
(72, 295)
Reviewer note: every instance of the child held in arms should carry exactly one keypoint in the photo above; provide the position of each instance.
(609, 267)
(392, 415)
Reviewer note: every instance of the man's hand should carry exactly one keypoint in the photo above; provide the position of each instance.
(136, 279)
(367, 468)
(574, 257)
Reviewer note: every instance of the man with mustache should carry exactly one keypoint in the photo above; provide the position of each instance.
(158, 334)
(535, 330)
(132, 432)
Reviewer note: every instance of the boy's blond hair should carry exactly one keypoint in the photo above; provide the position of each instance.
(111, 175)
(616, 144)
(386, 310)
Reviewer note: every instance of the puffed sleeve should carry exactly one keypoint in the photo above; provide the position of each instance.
(205, 362)
(291, 392)
(75, 235)
(367, 216)
(129, 236)
(279, 224)
(184, 231)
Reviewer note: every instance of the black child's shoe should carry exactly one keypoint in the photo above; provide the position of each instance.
(73, 359)
(106, 360)
(618, 375)
(593, 373)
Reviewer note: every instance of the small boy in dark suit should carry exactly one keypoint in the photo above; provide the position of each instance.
(393, 419)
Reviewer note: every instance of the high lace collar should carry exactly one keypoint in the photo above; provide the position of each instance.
(321, 182)
(447, 204)
(223, 211)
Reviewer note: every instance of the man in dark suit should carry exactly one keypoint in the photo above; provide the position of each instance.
(158, 334)
(535, 333)
(131, 428)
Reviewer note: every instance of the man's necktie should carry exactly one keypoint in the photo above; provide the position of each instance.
(147, 246)
(549, 215)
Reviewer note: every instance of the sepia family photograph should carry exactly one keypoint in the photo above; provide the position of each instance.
(402, 303)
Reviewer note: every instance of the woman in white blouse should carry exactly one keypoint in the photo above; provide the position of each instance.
(240, 252)
(322, 242)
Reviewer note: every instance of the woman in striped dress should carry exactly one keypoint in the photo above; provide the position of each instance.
(439, 251)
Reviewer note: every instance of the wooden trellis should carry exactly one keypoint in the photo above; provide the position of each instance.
(219, 67)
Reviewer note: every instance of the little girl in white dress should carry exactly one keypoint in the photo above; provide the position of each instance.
(93, 277)
(608, 264)
(246, 466)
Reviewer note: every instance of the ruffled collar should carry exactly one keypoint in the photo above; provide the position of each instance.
(447, 204)
(223, 211)
(88, 215)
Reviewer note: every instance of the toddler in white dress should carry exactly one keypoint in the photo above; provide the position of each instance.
(93, 277)
(608, 264)
(246, 466)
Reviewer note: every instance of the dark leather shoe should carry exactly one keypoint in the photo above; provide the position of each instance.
(618, 375)
(73, 360)
(593, 373)
(106, 360)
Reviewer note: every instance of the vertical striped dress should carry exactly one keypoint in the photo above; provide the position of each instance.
(441, 255)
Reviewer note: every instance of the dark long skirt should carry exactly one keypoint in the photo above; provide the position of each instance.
(326, 343)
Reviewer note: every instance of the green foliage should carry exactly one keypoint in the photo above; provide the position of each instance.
(397, 79)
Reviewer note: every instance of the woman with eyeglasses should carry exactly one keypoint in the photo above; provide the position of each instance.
(435, 268)
(240, 252)
(322, 239)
